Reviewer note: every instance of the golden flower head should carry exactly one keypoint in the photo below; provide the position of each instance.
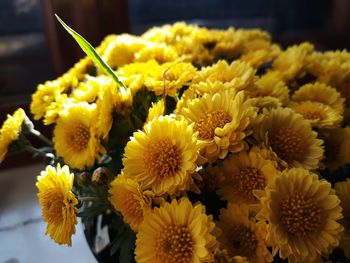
(163, 156)
(239, 74)
(75, 135)
(319, 115)
(337, 145)
(58, 202)
(271, 84)
(170, 77)
(265, 103)
(302, 213)
(156, 110)
(10, 131)
(292, 61)
(222, 121)
(176, 232)
(343, 192)
(319, 92)
(43, 97)
(127, 197)
(241, 235)
(290, 137)
(133, 75)
(122, 50)
(244, 173)
(160, 52)
(112, 100)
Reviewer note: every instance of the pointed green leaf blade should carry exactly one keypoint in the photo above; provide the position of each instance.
(91, 52)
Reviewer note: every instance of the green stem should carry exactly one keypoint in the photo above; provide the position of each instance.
(87, 198)
(34, 150)
(41, 137)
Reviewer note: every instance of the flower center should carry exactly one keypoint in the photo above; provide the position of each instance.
(78, 137)
(207, 124)
(53, 207)
(286, 143)
(310, 113)
(247, 180)
(243, 241)
(174, 245)
(132, 207)
(300, 215)
(162, 159)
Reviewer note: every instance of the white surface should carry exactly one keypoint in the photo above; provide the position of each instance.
(22, 231)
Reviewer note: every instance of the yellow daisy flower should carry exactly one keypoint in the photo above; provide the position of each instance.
(133, 75)
(43, 97)
(264, 103)
(163, 157)
(319, 115)
(58, 202)
(223, 256)
(75, 135)
(292, 61)
(160, 52)
(88, 91)
(290, 137)
(176, 232)
(243, 173)
(343, 192)
(127, 197)
(111, 100)
(271, 84)
(157, 109)
(319, 92)
(239, 74)
(241, 235)
(222, 121)
(10, 130)
(122, 51)
(302, 213)
(170, 77)
(337, 145)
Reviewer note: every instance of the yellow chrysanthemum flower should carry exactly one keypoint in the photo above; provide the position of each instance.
(223, 256)
(222, 120)
(43, 97)
(163, 157)
(170, 77)
(291, 62)
(159, 52)
(264, 103)
(75, 135)
(271, 84)
(111, 100)
(241, 235)
(239, 74)
(290, 137)
(243, 174)
(127, 197)
(87, 91)
(343, 192)
(122, 51)
(10, 130)
(52, 111)
(133, 75)
(337, 145)
(259, 51)
(319, 92)
(319, 115)
(156, 110)
(58, 202)
(176, 232)
(302, 213)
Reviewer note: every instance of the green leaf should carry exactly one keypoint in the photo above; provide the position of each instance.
(91, 52)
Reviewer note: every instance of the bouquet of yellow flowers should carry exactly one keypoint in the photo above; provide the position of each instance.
(196, 145)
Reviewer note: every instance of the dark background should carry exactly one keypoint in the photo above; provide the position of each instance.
(34, 48)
